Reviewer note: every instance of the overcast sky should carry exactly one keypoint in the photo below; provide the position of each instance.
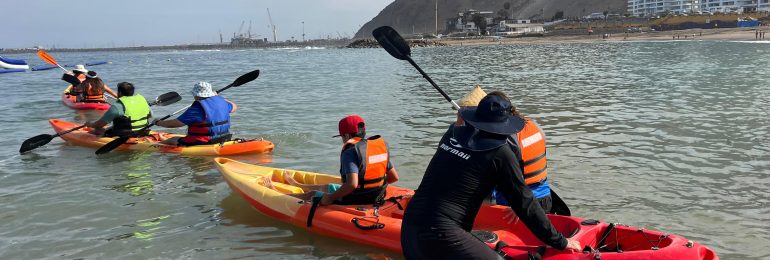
(107, 23)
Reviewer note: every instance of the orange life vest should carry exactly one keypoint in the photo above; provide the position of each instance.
(531, 144)
(92, 92)
(373, 158)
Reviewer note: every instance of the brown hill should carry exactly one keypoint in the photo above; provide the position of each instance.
(418, 16)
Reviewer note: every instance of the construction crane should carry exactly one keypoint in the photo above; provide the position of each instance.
(270, 19)
(249, 29)
(241, 28)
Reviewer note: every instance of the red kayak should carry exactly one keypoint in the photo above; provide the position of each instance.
(69, 101)
(495, 225)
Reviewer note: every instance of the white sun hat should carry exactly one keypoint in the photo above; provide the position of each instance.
(203, 89)
(80, 68)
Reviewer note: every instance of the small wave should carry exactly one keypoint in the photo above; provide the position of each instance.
(209, 50)
(765, 42)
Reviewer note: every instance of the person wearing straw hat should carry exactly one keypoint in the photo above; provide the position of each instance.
(469, 162)
(532, 157)
(207, 119)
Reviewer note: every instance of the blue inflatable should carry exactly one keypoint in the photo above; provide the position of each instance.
(11, 70)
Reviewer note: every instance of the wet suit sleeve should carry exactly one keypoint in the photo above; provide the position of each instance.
(510, 182)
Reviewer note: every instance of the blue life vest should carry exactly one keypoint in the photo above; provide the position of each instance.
(216, 122)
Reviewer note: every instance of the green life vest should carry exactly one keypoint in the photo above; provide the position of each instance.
(136, 109)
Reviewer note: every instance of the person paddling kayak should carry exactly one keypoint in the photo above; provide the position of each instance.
(129, 114)
(92, 89)
(207, 119)
(470, 161)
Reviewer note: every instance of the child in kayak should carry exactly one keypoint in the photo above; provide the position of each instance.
(365, 169)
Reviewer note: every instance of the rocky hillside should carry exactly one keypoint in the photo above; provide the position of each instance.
(418, 16)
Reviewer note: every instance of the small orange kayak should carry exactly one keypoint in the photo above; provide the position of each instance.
(151, 142)
(497, 226)
(69, 101)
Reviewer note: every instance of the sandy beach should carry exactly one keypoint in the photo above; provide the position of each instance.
(726, 34)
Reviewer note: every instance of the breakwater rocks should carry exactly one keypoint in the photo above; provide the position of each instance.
(371, 43)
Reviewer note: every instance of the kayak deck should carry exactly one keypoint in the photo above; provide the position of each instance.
(151, 142)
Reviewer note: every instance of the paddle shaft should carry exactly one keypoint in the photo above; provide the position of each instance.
(425, 75)
(69, 131)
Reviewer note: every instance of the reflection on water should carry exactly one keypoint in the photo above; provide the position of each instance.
(669, 136)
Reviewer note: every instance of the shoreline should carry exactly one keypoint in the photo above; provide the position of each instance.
(722, 34)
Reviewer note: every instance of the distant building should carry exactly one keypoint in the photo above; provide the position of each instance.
(735, 6)
(518, 27)
(464, 21)
(647, 8)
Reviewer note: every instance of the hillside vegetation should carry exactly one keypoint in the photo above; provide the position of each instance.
(418, 16)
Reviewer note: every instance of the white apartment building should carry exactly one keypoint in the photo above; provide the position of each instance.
(642, 8)
(735, 6)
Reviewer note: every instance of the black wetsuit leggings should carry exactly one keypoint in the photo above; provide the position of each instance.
(421, 242)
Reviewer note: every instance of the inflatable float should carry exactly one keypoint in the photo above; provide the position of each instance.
(11, 70)
(13, 64)
(48, 66)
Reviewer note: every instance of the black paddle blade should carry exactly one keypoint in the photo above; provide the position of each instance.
(167, 99)
(35, 142)
(558, 206)
(69, 78)
(392, 42)
(112, 145)
(246, 78)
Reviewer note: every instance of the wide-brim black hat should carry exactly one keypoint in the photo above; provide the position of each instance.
(493, 115)
(473, 139)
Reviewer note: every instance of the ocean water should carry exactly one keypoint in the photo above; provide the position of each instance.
(670, 136)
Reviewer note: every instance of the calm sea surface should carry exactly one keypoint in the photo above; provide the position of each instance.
(671, 136)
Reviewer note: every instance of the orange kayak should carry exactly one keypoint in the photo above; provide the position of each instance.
(495, 225)
(81, 137)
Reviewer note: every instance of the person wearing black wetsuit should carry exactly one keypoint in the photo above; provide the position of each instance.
(469, 162)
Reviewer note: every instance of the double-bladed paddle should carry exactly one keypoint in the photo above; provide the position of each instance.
(394, 44)
(49, 59)
(245, 78)
(43, 139)
(69, 78)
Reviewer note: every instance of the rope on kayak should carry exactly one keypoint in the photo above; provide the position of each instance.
(376, 225)
(653, 243)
